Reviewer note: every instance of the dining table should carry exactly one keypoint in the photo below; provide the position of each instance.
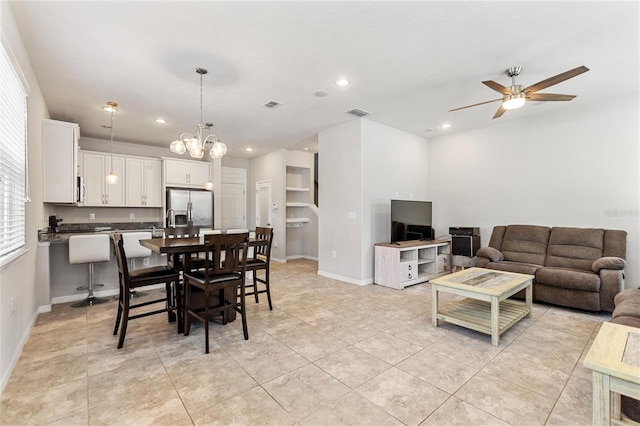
(184, 247)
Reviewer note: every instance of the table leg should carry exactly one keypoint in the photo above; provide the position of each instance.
(434, 305)
(601, 399)
(529, 299)
(495, 321)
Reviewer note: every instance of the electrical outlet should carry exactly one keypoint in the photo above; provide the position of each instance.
(132, 215)
(145, 261)
(92, 215)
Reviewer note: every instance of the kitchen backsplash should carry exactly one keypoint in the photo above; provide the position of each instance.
(70, 214)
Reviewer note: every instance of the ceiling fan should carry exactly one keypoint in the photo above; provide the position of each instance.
(515, 96)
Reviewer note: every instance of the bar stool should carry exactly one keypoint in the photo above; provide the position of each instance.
(134, 251)
(89, 249)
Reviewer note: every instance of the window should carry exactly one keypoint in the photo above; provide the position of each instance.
(13, 151)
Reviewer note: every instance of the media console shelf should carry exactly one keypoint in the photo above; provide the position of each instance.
(411, 262)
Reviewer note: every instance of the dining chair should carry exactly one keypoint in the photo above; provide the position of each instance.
(259, 261)
(183, 232)
(134, 250)
(222, 276)
(139, 278)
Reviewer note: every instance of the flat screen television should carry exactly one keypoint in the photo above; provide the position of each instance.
(411, 220)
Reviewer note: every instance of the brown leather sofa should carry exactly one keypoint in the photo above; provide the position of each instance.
(627, 312)
(575, 267)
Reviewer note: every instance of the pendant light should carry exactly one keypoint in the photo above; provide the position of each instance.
(112, 178)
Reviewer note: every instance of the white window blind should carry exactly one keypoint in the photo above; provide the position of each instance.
(13, 144)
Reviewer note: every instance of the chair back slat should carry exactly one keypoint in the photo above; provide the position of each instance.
(225, 253)
(262, 244)
(121, 257)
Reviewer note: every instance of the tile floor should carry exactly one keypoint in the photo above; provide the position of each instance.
(329, 353)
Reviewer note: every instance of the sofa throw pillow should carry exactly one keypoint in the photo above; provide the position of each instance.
(491, 253)
(608, 263)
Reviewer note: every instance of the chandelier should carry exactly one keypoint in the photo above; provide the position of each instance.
(198, 143)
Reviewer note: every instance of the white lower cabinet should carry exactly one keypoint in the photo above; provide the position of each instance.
(411, 262)
(143, 182)
(94, 168)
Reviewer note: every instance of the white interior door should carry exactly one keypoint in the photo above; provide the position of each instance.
(263, 203)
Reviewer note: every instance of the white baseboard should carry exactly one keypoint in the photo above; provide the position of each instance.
(345, 279)
(104, 293)
(18, 351)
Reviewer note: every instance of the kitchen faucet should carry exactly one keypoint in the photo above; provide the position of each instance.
(171, 218)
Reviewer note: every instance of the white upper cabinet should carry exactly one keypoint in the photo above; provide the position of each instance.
(94, 169)
(143, 182)
(184, 173)
(60, 161)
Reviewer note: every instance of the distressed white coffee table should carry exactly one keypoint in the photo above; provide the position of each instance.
(485, 308)
(614, 358)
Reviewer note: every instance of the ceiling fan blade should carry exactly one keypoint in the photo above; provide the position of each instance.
(548, 97)
(499, 112)
(469, 106)
(556, 79)
(497, 87)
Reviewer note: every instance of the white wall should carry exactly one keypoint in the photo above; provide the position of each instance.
(394, 166)
(576, 167)
(340, 182)
(363, 165)
(18, 281)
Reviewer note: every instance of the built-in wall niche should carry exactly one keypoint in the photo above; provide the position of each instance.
(297, 199)
(298, 192)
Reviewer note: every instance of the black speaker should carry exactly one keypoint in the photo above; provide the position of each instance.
(465, 245)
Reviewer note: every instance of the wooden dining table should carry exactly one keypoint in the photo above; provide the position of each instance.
(182, 247)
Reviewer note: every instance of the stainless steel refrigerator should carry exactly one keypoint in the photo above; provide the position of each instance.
(185, 204)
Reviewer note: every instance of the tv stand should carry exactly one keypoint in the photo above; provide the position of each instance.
(406, 263)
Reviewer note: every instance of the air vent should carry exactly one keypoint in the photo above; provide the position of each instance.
(272, 104)
(358, 112)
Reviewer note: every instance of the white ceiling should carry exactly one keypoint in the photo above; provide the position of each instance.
(408, 62)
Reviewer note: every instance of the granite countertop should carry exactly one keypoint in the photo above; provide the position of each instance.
(68, 229)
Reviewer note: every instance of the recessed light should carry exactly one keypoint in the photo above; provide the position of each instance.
(445, 126)
(342, 82)
(249, 149)
(161, 121)
(305, 149)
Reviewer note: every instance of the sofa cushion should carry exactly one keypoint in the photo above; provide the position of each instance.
(572, 279)
(574, 248)
(526, 244)
(615, 243)
(629, 307)
(630, 293)
(517, 267)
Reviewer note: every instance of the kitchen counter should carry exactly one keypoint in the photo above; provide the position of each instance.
(67, 230)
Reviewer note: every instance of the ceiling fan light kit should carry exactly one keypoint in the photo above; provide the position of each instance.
(515, 96)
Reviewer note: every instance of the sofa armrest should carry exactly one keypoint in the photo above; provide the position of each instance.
(615, 263)
(491, 254)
